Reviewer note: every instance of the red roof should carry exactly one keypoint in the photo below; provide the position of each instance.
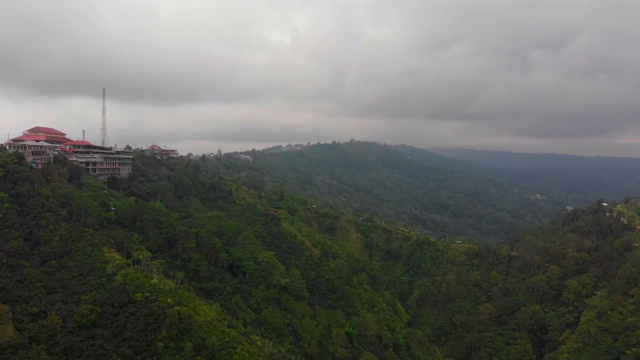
(46, 130)
(47, 138)
(154, 147)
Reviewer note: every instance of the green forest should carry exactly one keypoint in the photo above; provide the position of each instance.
(582, 176)
(220, 258)
(417, 189)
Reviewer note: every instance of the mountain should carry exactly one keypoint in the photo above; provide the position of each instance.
(421, 190)
(183, 263)
(179, 261)
(581, 176)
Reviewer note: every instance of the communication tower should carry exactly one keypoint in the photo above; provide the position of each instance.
(103, 127)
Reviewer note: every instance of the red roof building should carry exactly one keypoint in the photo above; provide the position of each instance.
(41, 133)
(45, 130)
(161, 153)
(37, 153)
(99, 161)
(40, 143)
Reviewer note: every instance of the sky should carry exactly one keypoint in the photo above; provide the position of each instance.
(198, 76)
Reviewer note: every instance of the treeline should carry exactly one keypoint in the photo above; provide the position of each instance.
(587, 177)
(417, 189)
(179, 261)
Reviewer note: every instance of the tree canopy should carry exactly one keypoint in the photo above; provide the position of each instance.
(182, 261)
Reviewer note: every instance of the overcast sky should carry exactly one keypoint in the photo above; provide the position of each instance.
(552, 76)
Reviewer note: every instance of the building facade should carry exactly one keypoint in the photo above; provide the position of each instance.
(161, 153)
(37, 153)
(99, 161)
(126, 160)
(41, 133)
(40, 143)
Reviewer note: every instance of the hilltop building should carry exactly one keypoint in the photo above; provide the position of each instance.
(39, 144)
(41, 133)
(37, 153)
(161, 153)
(126, 160)
(100, 161)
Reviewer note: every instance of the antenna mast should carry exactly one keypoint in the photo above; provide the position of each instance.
(103, 128)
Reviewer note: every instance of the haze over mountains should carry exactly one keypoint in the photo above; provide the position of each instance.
(479, 197)
(585, 176)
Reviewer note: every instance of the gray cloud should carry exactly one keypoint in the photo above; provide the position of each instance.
(482, 72)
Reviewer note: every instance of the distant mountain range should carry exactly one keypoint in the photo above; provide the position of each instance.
(414, 187)
(471, 193)
(587, 177)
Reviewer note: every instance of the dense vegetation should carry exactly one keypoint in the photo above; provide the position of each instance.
(586, 177)
(181, 262)
(421, 190)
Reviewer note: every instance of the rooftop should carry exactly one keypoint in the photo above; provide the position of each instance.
(46, 130)
(36, 143)
(40, 137)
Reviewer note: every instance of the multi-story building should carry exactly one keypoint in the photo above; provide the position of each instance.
(102, 162)
(37, 153)
(161, 153)
(40, 143)
(126, 160)
(41, 133)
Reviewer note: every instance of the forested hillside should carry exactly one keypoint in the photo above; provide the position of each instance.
(586, 177)
(429, 193)
(180, 261)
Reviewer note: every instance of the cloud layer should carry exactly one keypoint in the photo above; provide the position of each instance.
(549, 74)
